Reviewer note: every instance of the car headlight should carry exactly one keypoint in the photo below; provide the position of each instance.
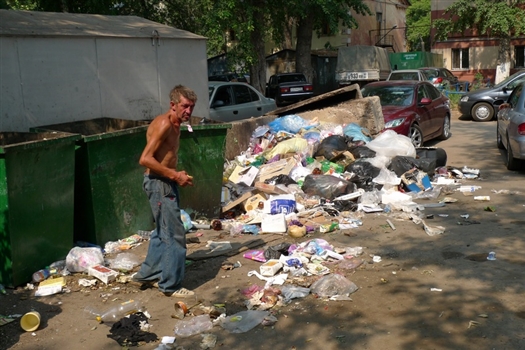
(394, 123)
(464, 99)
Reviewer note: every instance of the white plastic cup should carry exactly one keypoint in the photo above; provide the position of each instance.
(30, 321)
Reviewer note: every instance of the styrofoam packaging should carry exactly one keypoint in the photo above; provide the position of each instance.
(273, 223)
(103, 273)
(270, 267)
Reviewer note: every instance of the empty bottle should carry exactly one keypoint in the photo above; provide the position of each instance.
(43, 274)
(116, 312)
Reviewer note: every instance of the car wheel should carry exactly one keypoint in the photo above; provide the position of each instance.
(416, 135)
(482, 112)
(510, 162)
(445, 131)
(499, 139)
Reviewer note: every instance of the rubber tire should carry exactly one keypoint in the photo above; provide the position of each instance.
(445, 131)
(416, 135)
(499, 139)
(482, 112)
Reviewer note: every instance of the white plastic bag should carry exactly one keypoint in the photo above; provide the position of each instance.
(391, 144)
(80, 259)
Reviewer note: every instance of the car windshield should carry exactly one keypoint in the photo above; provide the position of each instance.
(391, 95)
(504, 82)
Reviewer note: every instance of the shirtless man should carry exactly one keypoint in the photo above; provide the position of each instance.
(165, 261)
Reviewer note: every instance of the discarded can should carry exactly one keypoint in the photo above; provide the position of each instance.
(491, 256)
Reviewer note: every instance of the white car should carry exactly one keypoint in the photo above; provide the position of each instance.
(408, 74)
(230, 101)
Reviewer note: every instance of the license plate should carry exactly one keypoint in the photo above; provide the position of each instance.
(296, 89)
(358, 75)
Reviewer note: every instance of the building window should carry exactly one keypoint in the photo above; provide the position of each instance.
(460, 59)
(519, 54)
(325, 29)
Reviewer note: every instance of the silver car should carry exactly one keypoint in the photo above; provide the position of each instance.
(231, 101)
(511, 128)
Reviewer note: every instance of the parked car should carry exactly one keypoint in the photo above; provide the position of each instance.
(289, 88)
(234, 77)
(480, 103)
(230, 101)
(408, 74)
(511, 128)
(440, 77)
(412, 108)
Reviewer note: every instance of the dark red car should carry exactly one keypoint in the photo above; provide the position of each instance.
(412, 108)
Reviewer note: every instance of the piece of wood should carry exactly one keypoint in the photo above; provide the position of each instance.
(237, 201)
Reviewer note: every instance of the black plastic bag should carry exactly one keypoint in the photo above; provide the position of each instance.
(362, 152)
(332, 146)
(363, 173)
(275, 251)
(327, 186)
(280, 180)
(402, 164)
(439, 154)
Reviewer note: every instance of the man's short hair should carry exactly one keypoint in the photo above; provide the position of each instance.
(181, 90)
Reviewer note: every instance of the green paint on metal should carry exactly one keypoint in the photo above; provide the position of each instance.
(201, 154)
(36, 202)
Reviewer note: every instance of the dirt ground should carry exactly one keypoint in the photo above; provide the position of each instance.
(479, 305)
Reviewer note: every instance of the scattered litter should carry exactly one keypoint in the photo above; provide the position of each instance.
(436, 289)
(391, 224)
(472, 324)
(433, 230)
(491, 256)
(482, 198)
(376, 258)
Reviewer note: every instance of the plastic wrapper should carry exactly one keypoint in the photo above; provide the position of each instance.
(275, 251)
(332, 146)
(333, 284)
(391, 144)
(124, 261)
(291, 123)
(327, 186)
(243, 321)
(194, 325)
(80, 259)
(290, 292)
(356, 132)
(295, 145)
(362, 152)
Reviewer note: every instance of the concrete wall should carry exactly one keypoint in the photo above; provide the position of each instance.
(51, 80)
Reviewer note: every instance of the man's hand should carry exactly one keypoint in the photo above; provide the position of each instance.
(183, 179)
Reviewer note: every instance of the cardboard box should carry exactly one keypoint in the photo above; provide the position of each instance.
(253, 202)
(103, 273)
(270, 267)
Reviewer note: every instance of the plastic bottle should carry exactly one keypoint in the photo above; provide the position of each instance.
(116, 312)
(43, 274)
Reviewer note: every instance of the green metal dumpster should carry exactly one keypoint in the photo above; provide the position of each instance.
(201, 154)
(36, 202)
(109, 201)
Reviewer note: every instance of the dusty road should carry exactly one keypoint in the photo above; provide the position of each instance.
(480, 304)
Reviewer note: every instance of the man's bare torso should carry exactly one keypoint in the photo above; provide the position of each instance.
(167, 152)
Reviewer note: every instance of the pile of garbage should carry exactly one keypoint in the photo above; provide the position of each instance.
(299, 176)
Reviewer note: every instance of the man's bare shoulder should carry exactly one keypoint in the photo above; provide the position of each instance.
(160, 122)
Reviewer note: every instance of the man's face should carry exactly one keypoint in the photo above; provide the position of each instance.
(183, 109)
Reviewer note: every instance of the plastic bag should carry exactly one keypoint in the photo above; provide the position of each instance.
(295, 145)
(387, 177)
(333, 284)
(290, 292)
(291, 123)
(243, 321)
(275, 251)
(327, 186)
(362, 174)
(356, 132)
(124, 261)
(332, 146)
(186, 220)
(80, 259)
(362, 152)
(391, 144)
(194, 325)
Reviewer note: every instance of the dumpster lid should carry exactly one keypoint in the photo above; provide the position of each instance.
(26, 140)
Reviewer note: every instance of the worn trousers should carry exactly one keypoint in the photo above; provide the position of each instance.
(167, 247)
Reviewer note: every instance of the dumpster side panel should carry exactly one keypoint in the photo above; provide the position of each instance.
(5, 239)
(201, 154)
(40, 185)
(120, 207)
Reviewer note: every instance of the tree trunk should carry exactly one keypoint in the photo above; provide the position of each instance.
(504, 50)
(258, 69)
(303, 55)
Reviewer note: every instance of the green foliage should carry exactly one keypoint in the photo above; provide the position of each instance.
(418, 25)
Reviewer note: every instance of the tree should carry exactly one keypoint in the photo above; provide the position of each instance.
(500, 19)
(313, 15)
(418, 26)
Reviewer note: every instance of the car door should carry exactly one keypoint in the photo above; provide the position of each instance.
(222, 105)
(423, 111)
(438, 109)
(504, 92)
(505, 115)
(273, 85)
(245, 104)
